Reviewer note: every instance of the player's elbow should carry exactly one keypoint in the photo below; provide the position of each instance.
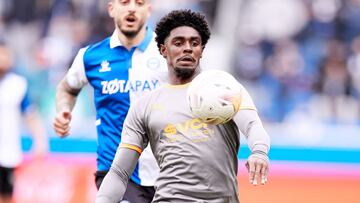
(64, 88)
(123, 174)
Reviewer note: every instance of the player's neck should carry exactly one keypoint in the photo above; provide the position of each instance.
(129, 42)
(175, 80)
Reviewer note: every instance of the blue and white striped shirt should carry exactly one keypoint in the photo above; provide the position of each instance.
(119, 76)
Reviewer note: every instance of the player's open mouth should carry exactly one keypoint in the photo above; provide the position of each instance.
(187, 59)
(130, 19)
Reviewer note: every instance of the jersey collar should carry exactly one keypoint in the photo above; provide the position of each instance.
(186, 85)
(115, 42)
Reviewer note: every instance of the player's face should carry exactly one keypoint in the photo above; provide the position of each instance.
(183, 50)
(5, 60)
(129, 15)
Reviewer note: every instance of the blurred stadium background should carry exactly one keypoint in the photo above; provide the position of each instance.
(299, 59)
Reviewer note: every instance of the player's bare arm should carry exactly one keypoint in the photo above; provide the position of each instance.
(65, 102)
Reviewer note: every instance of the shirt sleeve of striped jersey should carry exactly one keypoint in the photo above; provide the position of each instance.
(134, 134)
(25, 104)
(76, 77)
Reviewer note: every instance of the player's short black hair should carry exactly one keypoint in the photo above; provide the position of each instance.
(178, 18)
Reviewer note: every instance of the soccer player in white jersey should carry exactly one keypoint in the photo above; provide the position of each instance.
(120, 69)
(15, 105)
(198, 161)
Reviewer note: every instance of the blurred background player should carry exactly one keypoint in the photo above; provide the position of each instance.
(198, 163)
(15, 104)
(120, 68)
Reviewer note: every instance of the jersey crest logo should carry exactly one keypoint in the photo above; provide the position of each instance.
(105, 67)
(153, 63)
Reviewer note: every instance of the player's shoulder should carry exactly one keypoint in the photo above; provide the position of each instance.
(153, 93)
(149, 97)
(15, 77)
(93, 49)
(94, 52)
(15, 82)
(152, 47)
(152, 57)
(103, 44)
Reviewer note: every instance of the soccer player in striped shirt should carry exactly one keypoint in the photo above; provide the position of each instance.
(120, 69)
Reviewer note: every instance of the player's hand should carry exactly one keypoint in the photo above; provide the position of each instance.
(258, 168)
(61, 123)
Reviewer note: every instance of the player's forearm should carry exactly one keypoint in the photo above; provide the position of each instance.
(251, 126)
(113, 187)
(65, 96)
(257, 138)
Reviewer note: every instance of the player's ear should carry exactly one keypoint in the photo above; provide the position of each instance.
(110, 8)
(163, 50)
(202, 50)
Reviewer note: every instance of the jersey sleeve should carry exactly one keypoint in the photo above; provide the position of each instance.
(26, 103)
(246, 101)
(114, 184)
(250, 125)
(76, 77)
(134, 130)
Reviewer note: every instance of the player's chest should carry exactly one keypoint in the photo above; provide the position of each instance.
(172, 122)
(125, 75)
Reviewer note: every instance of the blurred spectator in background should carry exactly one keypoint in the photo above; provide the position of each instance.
(284, 72)
(353, 65)
(306, 59)
(333, 85)
(15, 103)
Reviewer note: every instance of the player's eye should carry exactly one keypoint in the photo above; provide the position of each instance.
(195, 43)
(123, 2)
(140, 3)
(177, 43)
